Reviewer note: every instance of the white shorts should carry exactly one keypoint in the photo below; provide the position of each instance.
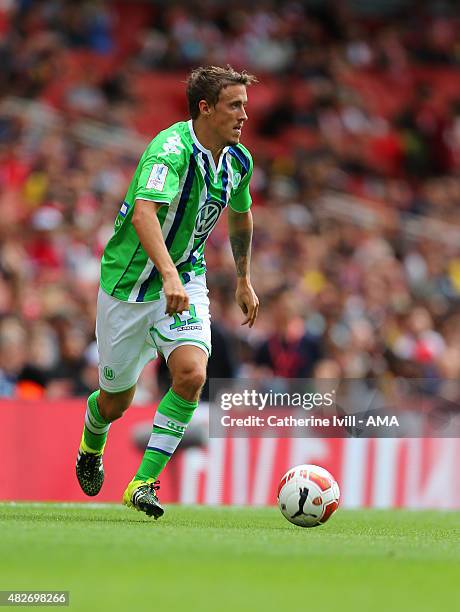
(129, 335)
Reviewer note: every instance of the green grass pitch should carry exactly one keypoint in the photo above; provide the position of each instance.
(231, 559)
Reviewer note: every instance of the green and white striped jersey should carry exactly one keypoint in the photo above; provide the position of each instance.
(176, 170)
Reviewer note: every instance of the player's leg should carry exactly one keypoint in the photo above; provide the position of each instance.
(185, 342)
(122, 331)
(101, 409)
(187, 364)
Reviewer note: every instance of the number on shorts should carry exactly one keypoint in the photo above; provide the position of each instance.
(178, 322)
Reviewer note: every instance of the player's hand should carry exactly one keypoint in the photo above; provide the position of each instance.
(247, 300)
(175, 294)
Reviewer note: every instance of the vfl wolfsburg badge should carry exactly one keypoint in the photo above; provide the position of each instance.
(108, 373)
(207, 218)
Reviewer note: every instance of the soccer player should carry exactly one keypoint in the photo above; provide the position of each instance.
(153, 295)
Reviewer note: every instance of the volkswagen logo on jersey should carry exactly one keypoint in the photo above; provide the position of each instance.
(207, 218)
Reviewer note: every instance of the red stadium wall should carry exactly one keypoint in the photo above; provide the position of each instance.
(39, 441)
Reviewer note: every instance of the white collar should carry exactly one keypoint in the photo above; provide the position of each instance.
(207, 152)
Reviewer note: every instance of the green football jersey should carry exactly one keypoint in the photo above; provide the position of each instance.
(178, 171)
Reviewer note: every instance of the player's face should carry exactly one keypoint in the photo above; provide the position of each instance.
(229, 114)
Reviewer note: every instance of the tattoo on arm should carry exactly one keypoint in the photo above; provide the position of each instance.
(240, 241)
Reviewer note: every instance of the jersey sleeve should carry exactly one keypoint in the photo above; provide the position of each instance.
(240, 200)
(158, 180)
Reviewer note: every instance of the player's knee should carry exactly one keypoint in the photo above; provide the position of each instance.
(111, 411)
(111, 407)
(191, 377)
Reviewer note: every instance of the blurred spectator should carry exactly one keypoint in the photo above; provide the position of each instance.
(289, 351)
(18, 378)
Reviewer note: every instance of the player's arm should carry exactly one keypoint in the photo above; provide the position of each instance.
(240, 233)
(147, 226)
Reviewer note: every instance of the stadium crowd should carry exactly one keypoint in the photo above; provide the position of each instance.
(355, 133)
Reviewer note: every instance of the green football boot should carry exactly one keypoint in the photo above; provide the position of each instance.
(141, 496)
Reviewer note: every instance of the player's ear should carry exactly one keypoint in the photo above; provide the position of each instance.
(204, 107)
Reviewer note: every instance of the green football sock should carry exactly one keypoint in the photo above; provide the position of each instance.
(96, 427)
(171, 419)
